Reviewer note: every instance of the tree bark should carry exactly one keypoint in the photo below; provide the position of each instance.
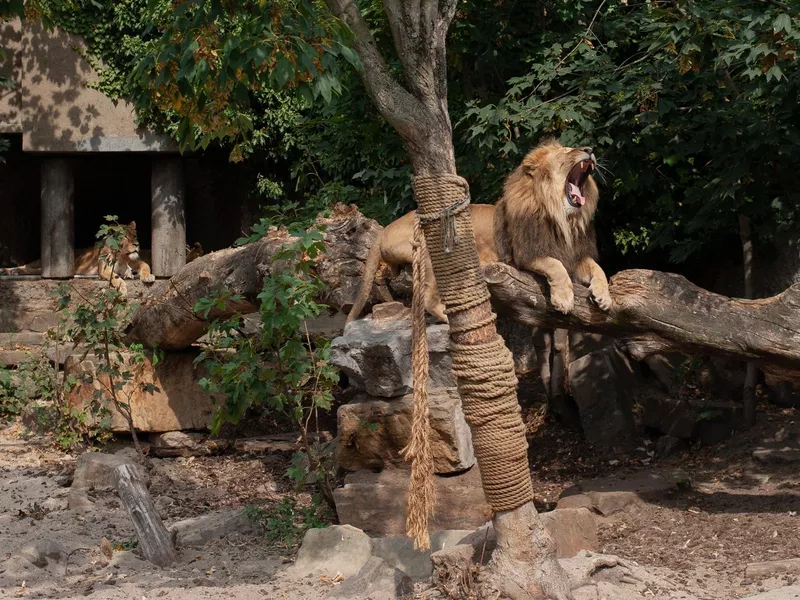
(751, 378)
(166, 317)
(657, 312)
(154, 539)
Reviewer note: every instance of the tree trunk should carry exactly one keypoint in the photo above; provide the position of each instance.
(419, 113)
(751, 378)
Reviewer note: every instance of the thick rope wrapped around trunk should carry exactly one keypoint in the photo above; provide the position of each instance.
(485, 371)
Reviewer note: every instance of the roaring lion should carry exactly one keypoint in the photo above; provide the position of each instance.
(543, 222)
(393, 246)
(127, 260)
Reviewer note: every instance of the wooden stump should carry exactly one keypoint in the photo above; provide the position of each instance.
(154, 539)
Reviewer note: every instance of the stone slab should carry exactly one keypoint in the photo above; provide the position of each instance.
(373, 431)
(376, 356)
(608, 496)
(376, 502)
(178, 404)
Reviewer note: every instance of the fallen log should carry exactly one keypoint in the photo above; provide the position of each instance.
(654, 312)
(658, 312)
(154, 539)
(166, 317)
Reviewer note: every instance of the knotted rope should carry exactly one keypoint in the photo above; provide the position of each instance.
(485, 371)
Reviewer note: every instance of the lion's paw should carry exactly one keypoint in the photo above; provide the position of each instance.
(601, 295)
(562, 298)
(148, 278)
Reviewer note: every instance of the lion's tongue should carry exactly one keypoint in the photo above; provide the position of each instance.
(575, 192)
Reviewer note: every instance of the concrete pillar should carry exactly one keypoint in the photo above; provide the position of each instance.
(58, 222)
(167, 218)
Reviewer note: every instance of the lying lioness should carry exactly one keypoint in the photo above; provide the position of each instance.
(393, 247)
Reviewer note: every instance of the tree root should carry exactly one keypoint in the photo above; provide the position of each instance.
(524, 564)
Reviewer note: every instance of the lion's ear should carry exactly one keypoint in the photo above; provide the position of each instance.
(530, 168)
(132, 226)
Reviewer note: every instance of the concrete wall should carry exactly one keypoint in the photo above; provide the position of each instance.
(52, 106)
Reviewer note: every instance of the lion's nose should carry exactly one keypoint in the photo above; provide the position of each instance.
(587, 149)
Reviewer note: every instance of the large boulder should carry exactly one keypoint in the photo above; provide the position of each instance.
(573, 530)
(376, 356)
(178, 403)
(340, 549)
(376, 502)
(373, 431)
(602, 383)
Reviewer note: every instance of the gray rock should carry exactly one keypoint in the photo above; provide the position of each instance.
(94, 471)
(45, 553)
(55, 504)
(377, 502)
(602, 384)
(791, 592)
(376, 356)
(373, 431)
(376, 579)
(338, 549)
(198, 531)
(777, 455)
(668, 445)
(399, 552)
(573, 530)
(609, 496)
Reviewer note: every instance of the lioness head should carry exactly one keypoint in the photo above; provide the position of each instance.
(129, 244)
(561, 177)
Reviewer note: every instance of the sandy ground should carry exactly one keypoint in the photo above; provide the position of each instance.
(696, 544)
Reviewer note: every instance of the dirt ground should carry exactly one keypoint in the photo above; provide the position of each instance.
(736, 511)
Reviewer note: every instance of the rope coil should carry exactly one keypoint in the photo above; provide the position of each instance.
(485, 373)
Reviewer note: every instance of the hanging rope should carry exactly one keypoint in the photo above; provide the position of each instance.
(485, 372)
(422, 492)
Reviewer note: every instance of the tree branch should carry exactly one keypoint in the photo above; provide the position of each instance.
(659, 312)
(399, 107)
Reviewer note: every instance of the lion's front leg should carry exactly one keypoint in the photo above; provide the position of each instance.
(561, 294)
(145, 275)
(107, 273)
(589, 273)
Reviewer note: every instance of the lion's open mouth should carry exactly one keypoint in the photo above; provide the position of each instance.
(576, 180)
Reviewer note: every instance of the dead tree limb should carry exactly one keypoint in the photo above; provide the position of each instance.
(166, 317)
(154, 539)
(661, 312)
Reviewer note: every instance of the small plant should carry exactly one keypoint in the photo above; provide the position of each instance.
(128, 545)
(95, 323)
(285, 523)
(281, 366)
